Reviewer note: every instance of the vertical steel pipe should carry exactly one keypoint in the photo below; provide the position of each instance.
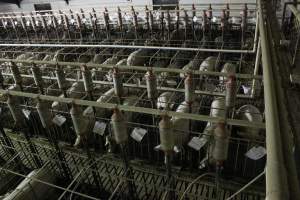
(256, 69)
(280, 76)
(276, 179)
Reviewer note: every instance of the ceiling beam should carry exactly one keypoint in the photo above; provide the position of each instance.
(17, 2)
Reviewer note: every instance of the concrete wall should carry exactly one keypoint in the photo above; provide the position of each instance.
(28, 5)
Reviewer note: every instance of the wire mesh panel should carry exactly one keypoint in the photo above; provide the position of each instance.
(149, 182)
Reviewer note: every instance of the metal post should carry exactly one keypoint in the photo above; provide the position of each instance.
(276, 180)
(287, 143)
(256, 68)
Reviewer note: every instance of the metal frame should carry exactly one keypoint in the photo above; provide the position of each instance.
(117, 190)
(279, 182)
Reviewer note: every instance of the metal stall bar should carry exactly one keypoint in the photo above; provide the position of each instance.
(150, 111)
(160, 88)
(281, 83)
(138, 68)
(128, 47)
(276, 177)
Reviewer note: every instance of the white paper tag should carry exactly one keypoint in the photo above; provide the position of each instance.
(127, 17)
(157, 148)
(72, 21)
(214, 19)
(138, 134)
(171, 82)
(195, 19)
(99, 128)
(197, 143)
(256, 153)
(109, 76)
(246, 89)
(59, 120)
(26, 113)
(176, 149)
